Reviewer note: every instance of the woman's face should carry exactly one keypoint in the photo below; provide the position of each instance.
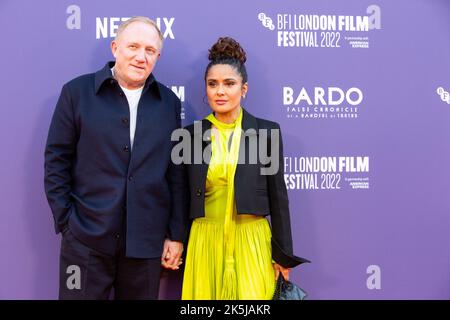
(224, 88)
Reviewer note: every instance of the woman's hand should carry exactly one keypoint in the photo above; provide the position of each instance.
(284, 271)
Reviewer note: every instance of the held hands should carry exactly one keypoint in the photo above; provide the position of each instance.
(284, 271)
(171, 256)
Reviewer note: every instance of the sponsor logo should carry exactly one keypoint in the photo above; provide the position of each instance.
(445, 96)
(326, 173)
(307, 30)
(322, 103)
(106, 27)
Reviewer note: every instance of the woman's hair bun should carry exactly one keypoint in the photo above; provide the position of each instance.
(227, 48)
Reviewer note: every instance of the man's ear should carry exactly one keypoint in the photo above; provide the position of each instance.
(114, 48)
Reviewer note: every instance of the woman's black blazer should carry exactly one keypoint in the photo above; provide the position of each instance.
(255, 193)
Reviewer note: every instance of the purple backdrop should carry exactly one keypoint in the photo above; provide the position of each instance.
(359, 87)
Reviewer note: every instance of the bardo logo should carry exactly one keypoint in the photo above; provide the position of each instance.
(322, 103)
(323, 31)
(106, 27)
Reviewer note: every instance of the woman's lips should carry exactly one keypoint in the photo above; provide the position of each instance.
(221, 102)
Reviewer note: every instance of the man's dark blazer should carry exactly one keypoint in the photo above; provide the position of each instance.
(254, 193)
(97, 184)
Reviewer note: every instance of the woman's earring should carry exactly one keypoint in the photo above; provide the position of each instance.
(243, 96)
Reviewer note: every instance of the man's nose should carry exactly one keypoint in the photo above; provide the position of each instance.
(140, 55)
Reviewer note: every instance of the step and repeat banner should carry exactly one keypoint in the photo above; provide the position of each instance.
(359, 87)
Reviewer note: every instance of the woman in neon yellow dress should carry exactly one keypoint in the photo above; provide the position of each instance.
(232, 251)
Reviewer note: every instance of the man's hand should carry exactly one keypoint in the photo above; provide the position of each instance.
(171, 256)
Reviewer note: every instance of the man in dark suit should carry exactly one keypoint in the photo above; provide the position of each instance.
(116, 197)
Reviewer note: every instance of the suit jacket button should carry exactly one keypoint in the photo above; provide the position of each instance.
(126, 148)
(199, 192)
(117, 236)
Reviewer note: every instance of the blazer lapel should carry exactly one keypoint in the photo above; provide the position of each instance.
(249, 136)
(202, 139)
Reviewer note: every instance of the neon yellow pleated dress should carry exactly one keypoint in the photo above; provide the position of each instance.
(228, 255)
